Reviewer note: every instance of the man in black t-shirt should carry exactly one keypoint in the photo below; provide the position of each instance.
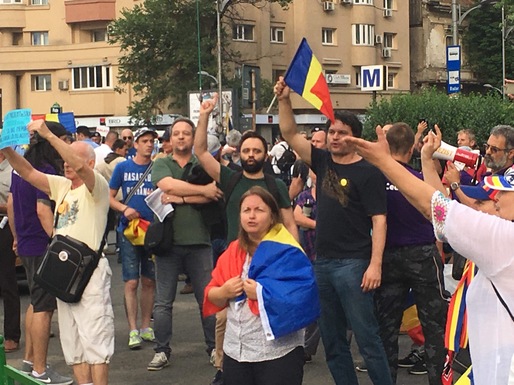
(350, 238)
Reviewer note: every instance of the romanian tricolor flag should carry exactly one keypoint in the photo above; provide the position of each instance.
(305, 76)
(67, 119)
(287, 294)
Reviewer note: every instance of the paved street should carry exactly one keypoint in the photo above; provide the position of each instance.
(189, 364)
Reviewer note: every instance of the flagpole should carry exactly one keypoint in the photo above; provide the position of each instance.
(271, 104)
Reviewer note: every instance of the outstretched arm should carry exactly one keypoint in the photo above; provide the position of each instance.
(26, 171)
(209, 164)
(417, 192)
(287, 124)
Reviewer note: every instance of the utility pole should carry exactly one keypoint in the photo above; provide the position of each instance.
(254, 101)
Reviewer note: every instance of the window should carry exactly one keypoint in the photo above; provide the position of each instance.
(357, 76)
(39, 2)
(243, 32)
(388, 40)
(388, 4)
(277, 35)
(39, 38)
(276, 73)
(328, 36)
(17, 38)
(368, 2)
(391, 80)
(91, 77)
(363, 34)
(10, 1)
(98, 35)
(41, 82)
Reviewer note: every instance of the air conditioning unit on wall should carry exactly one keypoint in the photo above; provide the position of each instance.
(386, 52)
(64, 85)
(388, 12)
(328, 6)
(346, 1)
(378, 39)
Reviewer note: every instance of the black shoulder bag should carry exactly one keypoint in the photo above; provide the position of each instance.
(67, 266)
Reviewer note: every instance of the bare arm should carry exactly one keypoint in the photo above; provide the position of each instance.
(45, 216)
(287, 124)
(180, 188)
(428, 164)
(295, 187)
(10, 216)
(373, 275)
(190, 200)
(453, 175)
(209, 164)
(26, 171)
(302, 220)
(83, 168)
(289, 222)
(417, 192)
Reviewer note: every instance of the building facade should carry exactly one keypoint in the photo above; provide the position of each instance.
(58, 51)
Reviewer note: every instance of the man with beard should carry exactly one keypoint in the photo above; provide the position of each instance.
(499, 156)
(252, 150)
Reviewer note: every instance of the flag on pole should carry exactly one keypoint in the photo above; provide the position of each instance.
(306, 78)
(67, 119)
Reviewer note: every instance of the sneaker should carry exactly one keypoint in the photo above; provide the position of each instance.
(410, 360)
(361, 368)
(160, 360)
(134, 340)
(26, 367)
(187, 289)
(212, 358)
(218, 378)
(53, 378)
(147, 335)
(419, 368)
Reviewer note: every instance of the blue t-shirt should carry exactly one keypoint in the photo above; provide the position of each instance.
(125, 176)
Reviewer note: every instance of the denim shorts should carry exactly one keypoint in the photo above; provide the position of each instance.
(135, 261)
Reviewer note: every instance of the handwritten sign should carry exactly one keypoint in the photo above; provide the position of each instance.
(15, 130)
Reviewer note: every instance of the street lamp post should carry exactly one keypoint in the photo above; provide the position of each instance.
(487, 85)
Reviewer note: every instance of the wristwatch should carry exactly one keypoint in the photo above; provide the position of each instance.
(455, 186)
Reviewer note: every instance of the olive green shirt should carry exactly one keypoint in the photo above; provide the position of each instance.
(188, 225)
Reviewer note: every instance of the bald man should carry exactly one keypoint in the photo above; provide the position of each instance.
(82, 201)
(128, 136)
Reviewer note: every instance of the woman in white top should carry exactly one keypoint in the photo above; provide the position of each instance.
(259, 348)
(485, 239)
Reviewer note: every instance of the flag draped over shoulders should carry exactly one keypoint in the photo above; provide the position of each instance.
(305, 76)
(287, 294)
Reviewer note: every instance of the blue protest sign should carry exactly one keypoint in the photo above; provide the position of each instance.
(15, 131)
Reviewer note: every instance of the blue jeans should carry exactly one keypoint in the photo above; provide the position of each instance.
(343, 306)
(197, 262)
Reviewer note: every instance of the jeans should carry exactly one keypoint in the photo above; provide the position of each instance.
(197, 262)
(343, 303)
(135, 261)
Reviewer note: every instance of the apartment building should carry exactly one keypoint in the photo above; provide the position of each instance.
(57, 51)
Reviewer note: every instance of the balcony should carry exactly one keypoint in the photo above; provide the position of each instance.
(80, 11)
(12, 16)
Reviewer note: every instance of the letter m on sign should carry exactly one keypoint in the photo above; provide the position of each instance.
(373, 78)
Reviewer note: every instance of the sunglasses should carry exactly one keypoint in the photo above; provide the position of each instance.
(127, 137)
(494, 149)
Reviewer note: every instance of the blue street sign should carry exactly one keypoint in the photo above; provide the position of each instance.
(453, 68)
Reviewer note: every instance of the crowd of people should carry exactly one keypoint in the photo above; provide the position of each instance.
(327, 244)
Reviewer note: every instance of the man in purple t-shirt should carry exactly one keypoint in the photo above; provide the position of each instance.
(33, 225)
(411, 261)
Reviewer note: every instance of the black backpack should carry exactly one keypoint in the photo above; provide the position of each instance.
(286, 161)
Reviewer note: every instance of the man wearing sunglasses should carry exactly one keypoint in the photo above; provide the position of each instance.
(128, 137)
(499, 149)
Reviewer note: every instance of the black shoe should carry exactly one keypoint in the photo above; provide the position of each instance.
(410, 360)
(307, 358)
(218, 378)
(419, 368)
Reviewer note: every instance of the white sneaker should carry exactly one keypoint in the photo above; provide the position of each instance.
(160, 360)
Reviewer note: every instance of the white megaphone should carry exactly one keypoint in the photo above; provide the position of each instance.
(455, 154)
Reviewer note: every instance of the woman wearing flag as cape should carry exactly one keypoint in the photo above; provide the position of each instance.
(267, 283)
(484, 239)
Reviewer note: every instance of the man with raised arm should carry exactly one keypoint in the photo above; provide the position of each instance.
(82, 202)
(350, 238)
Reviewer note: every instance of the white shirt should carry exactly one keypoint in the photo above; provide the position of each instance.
(276, 152)
(101, 152)
(245, 340)
(489, 242)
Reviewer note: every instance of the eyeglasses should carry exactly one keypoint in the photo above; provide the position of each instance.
(127, 137)
(494, 149)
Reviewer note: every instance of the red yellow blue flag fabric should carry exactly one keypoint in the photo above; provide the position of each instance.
(67, 119)
(305, 76)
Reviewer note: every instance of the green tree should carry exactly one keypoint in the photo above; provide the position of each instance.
(451, 114)
(160, 56)
(483, 44)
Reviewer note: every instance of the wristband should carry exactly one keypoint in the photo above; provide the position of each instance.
(183, 200)
(126, 208)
